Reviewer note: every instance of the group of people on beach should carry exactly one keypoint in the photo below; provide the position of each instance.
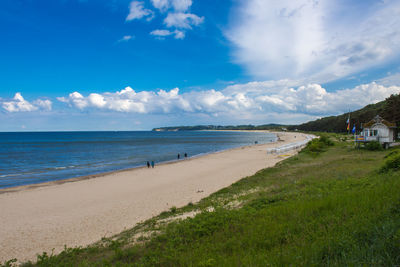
(179, 155)
(148, 163)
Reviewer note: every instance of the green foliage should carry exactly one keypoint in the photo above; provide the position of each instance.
(315, 146)
(9, 263)
(392, 153)
(326, 140)
(373, 146)
(392, 162)
(173, 209)
(318, 145)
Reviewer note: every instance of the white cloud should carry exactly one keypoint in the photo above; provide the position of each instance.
(322, 40)
(137, 11)
(181, 5)
(96, 100)
(19, 104)
(311, 99)
(251, 100)
(161, 34)
(161, 4)
(43, 104)
(126, 38)
(75, 99)
(178, 17)
(179, 34)
(391, 79)
(177, 5)
(182, 20)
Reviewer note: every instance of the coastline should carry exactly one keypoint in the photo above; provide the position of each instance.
(82, 210)
(102, 174)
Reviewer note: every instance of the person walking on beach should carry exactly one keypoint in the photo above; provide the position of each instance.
(179, 156)
(185, 155)
(148, 164)
(152, 163)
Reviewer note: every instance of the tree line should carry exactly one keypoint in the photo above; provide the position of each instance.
(389, 109)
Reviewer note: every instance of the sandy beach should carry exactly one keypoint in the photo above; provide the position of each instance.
(79, 212)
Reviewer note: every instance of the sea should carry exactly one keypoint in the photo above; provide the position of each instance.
(37, 157)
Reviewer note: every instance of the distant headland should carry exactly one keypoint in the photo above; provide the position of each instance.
(219, 127)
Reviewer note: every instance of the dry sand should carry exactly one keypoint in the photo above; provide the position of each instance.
(39, 218)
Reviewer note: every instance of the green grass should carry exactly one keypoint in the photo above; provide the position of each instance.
(328, 207)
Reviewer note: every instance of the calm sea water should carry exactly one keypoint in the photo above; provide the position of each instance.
(28, 158)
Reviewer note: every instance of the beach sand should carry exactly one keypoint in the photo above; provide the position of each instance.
(78, 212)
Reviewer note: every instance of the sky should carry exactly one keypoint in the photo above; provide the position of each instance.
(79, 65)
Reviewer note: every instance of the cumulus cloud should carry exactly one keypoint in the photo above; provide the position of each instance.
(19, 104)
(312, 99)
(251, 100)
(182, 20)
(291, 39)
(76, 99)
(181, 5)
(161, 4)
(137, 11)
(178, 17)
(177, 5)
(164, 33)
(43, 104)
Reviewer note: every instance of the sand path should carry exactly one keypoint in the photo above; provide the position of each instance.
(79, 213)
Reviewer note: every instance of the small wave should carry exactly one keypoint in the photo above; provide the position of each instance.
(59, 168)
(9, 175)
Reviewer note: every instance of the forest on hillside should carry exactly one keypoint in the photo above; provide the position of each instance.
(389, 109)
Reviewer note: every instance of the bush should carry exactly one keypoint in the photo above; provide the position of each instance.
(373, 146)
(314, 146)
(326, 141)
(391, 163)
(318, 145)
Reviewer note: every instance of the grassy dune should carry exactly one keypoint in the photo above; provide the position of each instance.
(329, 205)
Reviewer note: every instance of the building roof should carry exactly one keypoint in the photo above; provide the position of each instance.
(378, 119)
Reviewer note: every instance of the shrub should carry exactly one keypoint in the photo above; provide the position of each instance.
(314, 146)
(373, 146)
(391, 163)
(318, 145)
(326, 141)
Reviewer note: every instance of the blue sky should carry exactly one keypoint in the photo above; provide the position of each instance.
(135, 65)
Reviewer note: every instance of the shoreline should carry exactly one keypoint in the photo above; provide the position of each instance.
(18, 188)
(80, 213)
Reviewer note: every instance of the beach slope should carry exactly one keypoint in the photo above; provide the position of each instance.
(79, 212)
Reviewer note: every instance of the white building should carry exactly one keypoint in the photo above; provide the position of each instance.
(379, 130)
